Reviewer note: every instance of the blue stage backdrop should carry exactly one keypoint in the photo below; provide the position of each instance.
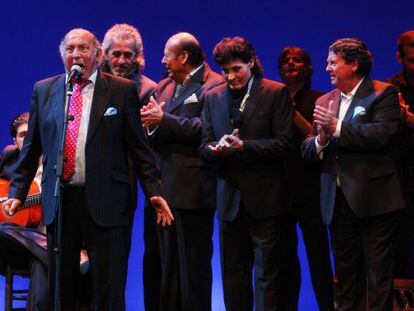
(31, 32)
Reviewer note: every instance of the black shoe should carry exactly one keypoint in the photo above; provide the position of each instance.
(409, 296)
(400, 299)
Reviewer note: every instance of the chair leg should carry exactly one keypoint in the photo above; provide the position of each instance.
(9, 287)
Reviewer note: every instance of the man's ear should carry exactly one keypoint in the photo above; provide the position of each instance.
(355, 65)
(251, 63)
(184, 57)
(399, 57)
(99, 54)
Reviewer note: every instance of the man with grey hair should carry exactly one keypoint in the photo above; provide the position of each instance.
(103, 128)
(124, 56)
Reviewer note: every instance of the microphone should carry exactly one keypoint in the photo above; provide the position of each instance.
(75, 73)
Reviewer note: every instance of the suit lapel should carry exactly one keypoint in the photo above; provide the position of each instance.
(138, 83)
(191, 86)
(189, 89)
(223, 113)
(334, 101)
(167, 94)
(359, 98)
(100, 102)
(251, 102)
(57, 98)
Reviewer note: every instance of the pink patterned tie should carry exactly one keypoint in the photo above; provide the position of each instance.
(72, 130)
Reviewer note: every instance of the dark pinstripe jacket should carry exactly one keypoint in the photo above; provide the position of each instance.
(109, 139)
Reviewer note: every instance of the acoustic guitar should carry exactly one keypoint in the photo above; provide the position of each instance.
(28, 215)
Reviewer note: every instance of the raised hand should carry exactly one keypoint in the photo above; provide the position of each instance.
(228, 144)
(325, 118)
(152, 113)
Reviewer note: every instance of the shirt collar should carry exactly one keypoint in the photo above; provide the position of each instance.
(192, 73)
(92, 77)
(351, 94)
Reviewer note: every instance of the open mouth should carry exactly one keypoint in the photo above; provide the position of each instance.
(121, 69)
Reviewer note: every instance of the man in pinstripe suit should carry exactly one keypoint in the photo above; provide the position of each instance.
(96, 196)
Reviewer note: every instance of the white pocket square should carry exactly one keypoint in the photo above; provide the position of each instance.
(359, 111)
(191, 99)
(110, 111)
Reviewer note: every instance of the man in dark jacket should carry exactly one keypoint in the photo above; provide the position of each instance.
(248, 134)
(173, 120)
(357, 126)
(295, 69)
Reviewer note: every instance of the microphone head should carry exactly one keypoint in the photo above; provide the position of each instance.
(76, 68)
(75, 73)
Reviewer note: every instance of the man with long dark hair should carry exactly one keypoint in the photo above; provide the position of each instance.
(247, 135)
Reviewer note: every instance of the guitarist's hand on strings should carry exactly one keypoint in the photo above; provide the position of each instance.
(11, 205)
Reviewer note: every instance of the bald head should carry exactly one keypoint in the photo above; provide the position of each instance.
(79, 32)
(184, 38)
(81, 47)
(186, 42)
(182, 54)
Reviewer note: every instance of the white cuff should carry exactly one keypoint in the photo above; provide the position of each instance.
(151, 132)
(319, 147)
(338, 129)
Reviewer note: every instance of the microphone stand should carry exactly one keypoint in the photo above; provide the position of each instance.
(58, 194)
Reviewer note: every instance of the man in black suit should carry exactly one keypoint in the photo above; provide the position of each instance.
(295, 69)
(404, 81)
(124, 57)
(247, 135)
(357, 126)
(173, 119)
(96, 191)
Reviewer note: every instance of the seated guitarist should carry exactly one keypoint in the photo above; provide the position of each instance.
(10, 154)
(39, 292)
(8, 160)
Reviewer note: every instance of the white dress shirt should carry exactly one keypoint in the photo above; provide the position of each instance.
(78, 177)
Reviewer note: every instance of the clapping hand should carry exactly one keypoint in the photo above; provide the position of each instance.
(152, 113)
(228, 144)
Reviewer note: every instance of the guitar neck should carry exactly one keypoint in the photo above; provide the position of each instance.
(32, 199)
